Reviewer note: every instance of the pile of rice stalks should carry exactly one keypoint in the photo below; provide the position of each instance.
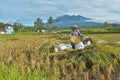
(97, 61)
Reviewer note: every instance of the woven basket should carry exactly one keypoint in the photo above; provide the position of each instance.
(75, 39)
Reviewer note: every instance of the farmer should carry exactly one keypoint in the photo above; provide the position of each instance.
(73, 34)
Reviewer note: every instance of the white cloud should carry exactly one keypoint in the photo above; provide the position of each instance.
(100, 10)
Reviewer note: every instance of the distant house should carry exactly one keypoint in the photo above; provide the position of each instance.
(8, 28)
(2, 30)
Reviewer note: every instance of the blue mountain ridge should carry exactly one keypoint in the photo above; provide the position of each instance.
(68, 21)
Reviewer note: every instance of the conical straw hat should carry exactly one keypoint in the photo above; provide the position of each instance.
(75, 39)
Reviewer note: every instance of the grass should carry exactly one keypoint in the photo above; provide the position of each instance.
(30, 57)
(14, 74)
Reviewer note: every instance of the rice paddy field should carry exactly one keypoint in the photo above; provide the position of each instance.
(32, 57)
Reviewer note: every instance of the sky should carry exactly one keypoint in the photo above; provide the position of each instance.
(27, 11)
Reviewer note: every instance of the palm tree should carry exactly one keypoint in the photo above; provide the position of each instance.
(38, 23)
(50, 22)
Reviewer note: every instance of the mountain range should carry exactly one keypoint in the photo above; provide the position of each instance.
(68, 21)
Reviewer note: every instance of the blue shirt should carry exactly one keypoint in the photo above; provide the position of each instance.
(75, 32)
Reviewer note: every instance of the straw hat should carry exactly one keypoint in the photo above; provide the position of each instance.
(75, 39)
(75, 26)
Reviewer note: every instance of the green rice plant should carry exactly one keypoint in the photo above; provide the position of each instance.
(3, 72)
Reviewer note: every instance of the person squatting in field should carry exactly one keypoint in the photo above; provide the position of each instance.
(75, 32)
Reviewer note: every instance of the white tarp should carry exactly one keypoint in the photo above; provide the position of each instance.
(78, 46)
(62, 47)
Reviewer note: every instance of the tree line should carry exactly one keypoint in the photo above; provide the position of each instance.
(38, 25)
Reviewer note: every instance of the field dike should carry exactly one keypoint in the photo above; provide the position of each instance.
(35, 59)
